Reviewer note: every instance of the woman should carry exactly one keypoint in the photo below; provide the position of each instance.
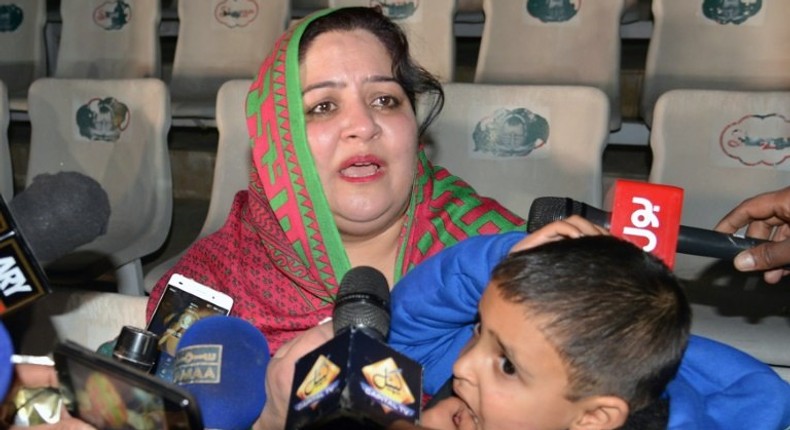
(338, 180)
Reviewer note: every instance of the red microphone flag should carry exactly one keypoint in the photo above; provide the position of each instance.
(648, 215)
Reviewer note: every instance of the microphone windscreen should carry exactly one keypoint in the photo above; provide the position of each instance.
(545, 210)
(59, 212)
(222, 361)
(363, 300)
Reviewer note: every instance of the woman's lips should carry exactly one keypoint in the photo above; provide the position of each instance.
(363, 168)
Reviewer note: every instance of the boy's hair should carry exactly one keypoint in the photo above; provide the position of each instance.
(616, 315)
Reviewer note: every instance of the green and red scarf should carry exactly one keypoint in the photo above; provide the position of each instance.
(280, 255)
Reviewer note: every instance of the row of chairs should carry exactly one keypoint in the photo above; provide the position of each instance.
(511, 142)
(119, 39)
(695, 44)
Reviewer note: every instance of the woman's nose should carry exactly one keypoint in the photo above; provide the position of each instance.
(361, 122)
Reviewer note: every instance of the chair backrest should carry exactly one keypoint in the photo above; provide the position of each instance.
(428, 25)
(724, 45)
(234, 154)
(721, 147)
(553, 42)
(6, 170)
(231, 167)
(220, 40)
(116, 39)
(518, 142)
(114, 131)
(22, 52)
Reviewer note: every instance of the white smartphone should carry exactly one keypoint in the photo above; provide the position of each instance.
(183, 302)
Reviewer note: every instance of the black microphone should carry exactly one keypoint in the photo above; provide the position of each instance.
(691, 240)
(355, 380)
(50, 218)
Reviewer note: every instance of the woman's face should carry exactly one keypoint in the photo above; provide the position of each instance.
(361, 130)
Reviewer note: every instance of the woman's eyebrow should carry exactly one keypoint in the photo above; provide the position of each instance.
(338, 84)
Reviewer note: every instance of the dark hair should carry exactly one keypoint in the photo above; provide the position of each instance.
(616, 315)
(415, 80)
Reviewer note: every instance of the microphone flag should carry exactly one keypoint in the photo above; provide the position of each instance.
(22, 280)
(648, 215)
(354, 381)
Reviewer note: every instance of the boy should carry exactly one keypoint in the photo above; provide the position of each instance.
(582, 334)
(573, 334)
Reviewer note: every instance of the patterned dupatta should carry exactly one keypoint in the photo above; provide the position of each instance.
(279, 254)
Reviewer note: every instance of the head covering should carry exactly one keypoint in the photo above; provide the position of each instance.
(280, 255)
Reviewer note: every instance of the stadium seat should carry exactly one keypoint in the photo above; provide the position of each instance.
(114, 131)
(717, 45)
(218, 42)
(6, 170)
(519, 142)
(231, 168)
(722, 147)
(109, 40)
(553, 43)
(428, 26)
(22, 51)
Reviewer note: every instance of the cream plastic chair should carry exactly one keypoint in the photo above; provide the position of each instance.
(553, 45)
(743, 46)
(219, 40)
(428, 25)
(116, 39)
(22, 52)
(722, 147)
(518, 142)
(231, 168)
(114, 131)
(6, 169)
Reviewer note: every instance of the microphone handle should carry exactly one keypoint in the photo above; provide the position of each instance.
(709, 243)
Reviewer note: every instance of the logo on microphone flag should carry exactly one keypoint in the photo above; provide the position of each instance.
(320, 381)
(648, 215)
(386, 384)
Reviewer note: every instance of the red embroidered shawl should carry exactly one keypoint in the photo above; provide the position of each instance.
(279, 254)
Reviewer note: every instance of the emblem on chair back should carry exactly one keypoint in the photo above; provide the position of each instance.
(103, 119)
(397, 9)
(758, 140)
(553, 10)
(112, 15)
(236, 13)
(731, 11)
(510, 133)
(11, 17)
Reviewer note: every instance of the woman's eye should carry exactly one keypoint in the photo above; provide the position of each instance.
(507, 366)
(386, 102)
(321, 108)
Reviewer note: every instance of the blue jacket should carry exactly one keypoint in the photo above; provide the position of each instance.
(434, 308)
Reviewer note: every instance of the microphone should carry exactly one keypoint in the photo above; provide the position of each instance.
(355, 380)
(54, 215)
(690, 240)
(222, 361)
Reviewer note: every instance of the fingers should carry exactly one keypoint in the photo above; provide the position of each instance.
(449, 414)
(772, 208)
(767, 256)
(569, 228)
(63, 424)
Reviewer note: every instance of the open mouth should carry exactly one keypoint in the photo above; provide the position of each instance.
(361, 169)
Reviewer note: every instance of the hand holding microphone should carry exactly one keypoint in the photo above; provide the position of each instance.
(767, 217)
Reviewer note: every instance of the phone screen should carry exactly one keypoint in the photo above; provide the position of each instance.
(178, 309)
(109, 395)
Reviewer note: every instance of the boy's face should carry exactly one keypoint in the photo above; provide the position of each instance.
(509, 375)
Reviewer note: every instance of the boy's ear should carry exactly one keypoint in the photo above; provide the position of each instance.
(601, 413)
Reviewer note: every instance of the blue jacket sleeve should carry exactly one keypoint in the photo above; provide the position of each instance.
(434, 307)
(720, 387)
